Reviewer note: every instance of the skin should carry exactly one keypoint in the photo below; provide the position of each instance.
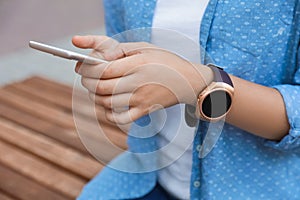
(145, 78)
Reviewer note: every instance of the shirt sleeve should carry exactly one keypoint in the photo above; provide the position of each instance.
(291, 97)
(114, 16)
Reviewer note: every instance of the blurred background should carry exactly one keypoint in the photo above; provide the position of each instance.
(53, 22)
(41, 154)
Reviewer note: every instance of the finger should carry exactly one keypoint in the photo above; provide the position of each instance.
(117, 68)
(90, 41)
(125, 117)
(110, 70)
(114, 51)
(108, 86)
(100, 44)
(110, 49)
(126, 49)
(90, 71)
(113, 101)
(124, 66)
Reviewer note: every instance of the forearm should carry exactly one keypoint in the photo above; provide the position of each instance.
(258, 109)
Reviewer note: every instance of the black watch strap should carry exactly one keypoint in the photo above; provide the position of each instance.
(220, 75)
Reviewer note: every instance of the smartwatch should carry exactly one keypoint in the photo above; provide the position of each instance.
(215, 101)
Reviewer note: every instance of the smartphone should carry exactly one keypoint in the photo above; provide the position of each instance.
(65, 53)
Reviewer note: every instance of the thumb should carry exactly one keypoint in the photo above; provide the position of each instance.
(99, 43)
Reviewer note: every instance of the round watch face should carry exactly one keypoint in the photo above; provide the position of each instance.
(216, 104)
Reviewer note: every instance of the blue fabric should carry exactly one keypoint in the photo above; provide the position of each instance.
(157, 193)
(256, 40)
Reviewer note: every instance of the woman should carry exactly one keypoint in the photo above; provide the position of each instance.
(257, 154)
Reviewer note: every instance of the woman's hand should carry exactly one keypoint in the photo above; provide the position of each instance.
(140, 78)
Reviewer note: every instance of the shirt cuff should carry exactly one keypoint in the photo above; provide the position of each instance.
(291, 97)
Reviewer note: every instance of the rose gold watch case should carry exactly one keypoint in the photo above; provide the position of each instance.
(214, 86)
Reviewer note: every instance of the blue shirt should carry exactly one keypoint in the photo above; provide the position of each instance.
(255, 40)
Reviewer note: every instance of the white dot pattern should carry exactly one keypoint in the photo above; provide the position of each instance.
(256, 40)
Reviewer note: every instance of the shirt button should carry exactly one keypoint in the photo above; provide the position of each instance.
(198, 147)
(196, 184)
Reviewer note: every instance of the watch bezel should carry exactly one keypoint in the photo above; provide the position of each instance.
(213, 87)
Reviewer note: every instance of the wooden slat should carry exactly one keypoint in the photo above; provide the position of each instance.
(40, 171)
(49, 92)
(43, 83)
(93, 129)
(38, 109)
(49, 149)
(24, 188)
(44, 96)
(52, 97)
(66, 120)
(53, 89)
(39, 143)
(64, 136)
(68, 137)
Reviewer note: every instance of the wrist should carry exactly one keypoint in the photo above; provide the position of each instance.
(201, 79)
(215, 101)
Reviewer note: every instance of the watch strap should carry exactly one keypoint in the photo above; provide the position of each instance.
(220, 75)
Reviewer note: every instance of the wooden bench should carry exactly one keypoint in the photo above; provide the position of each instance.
(41, 155)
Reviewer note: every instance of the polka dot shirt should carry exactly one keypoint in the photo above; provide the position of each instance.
(255, 40)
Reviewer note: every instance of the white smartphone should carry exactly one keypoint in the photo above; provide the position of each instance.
(65, 53)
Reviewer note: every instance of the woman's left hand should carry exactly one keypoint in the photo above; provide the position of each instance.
(140, 78)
